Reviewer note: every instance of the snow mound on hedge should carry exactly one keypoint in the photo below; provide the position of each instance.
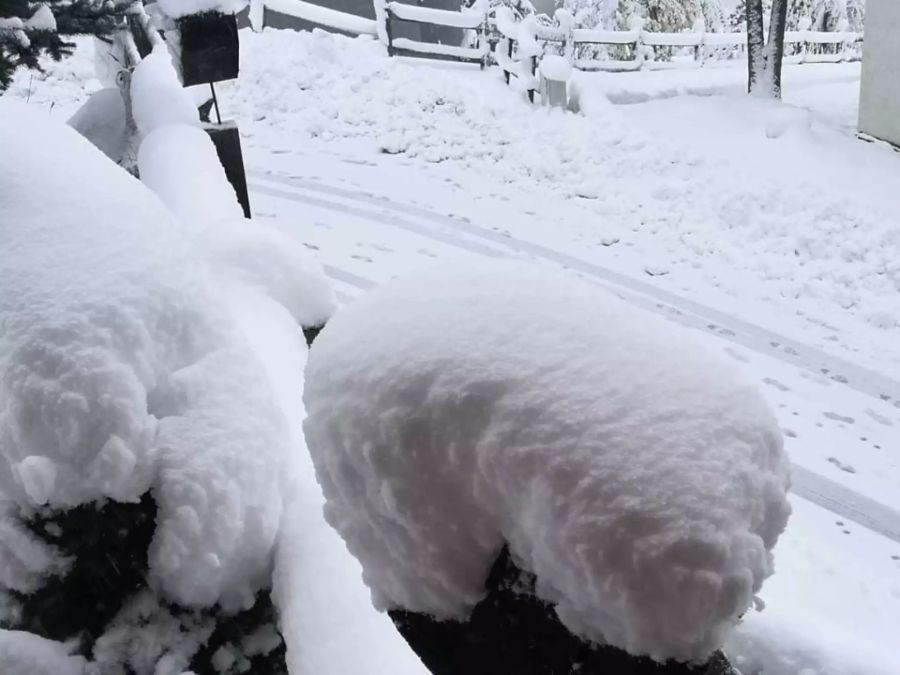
(637, 475)
(124, 368)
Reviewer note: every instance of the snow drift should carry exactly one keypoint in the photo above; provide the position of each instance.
(639, 477)
(124, 369)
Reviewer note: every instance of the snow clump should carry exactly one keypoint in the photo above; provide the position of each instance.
(637, 475)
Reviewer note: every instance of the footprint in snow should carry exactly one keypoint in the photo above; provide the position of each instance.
(363, 258)
(790, 433)
(838, 418)
(843, 467)
(426, 252)
(655, 270)
(737, 356)
(878, 418)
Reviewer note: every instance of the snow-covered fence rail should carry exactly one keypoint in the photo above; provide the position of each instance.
(468, 19)
(844, 46)
(315, 14)
(503, 32)
(803, 46)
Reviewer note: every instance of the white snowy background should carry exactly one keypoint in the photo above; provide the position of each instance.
(767, 229)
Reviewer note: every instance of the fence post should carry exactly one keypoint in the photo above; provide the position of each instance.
(257, 15)
(637, 25)
(700, 50)
(533, 72)
(387, 27)
(804, 25)
(565, 21)
(485, 45)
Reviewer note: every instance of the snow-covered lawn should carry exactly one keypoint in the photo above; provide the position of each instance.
(769, 229)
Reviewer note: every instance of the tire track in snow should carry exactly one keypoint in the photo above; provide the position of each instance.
(845, 502)
(678, 308)
(807, 484)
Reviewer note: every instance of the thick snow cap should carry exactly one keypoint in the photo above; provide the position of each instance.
(636, 474)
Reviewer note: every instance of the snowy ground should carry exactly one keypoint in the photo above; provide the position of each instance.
(768, 228)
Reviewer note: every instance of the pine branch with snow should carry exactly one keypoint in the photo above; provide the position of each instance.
(29, 29)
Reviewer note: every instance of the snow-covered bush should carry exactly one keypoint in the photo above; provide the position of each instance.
(142, 447)
(636, 475)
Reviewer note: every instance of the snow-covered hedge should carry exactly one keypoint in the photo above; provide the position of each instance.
(637, 475)
(132, 390)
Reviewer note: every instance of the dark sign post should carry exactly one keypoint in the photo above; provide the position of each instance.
(210, 52)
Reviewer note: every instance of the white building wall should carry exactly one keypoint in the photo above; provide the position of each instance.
(879, 105)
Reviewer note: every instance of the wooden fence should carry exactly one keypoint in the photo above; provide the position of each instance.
(466, 20)
(499, 36)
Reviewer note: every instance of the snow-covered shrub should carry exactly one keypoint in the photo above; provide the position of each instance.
(636, 475)
(142, 447)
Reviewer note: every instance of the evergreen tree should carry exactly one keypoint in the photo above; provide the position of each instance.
(30, 29)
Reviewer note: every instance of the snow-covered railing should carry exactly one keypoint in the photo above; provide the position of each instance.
(502, 31)
(313, 13)
(437, 17)
(702, 42)
(467, 19)
(845, 46)
(806, 46)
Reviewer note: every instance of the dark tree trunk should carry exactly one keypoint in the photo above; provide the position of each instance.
(756, 46)
(775, 47)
